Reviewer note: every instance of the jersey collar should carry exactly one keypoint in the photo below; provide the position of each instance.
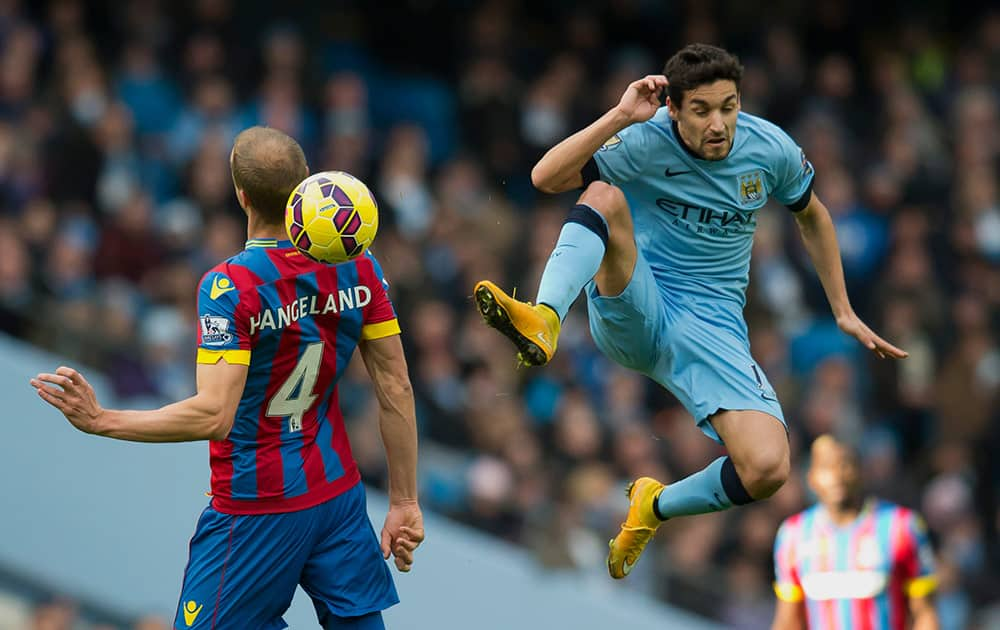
(267, 242)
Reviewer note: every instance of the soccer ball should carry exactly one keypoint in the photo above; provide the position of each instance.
(331, 217)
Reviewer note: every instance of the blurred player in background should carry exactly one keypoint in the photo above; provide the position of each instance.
(660, 242)
(851, 562)
(276, 331)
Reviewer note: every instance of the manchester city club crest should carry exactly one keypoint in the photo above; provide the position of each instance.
(751, 188)
(611, 143)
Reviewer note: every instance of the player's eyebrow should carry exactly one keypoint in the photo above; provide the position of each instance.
(703, 103)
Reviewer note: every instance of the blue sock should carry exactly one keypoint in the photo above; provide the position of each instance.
(714, 488)
(575, 259)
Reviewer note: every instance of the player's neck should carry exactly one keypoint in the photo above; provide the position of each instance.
(258, 229)
(845, 514)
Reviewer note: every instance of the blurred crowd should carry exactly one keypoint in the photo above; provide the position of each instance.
(116, 120)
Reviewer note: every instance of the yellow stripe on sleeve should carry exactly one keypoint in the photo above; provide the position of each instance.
(921, 586)
(788, 592)
(233, 357)
(381, 329)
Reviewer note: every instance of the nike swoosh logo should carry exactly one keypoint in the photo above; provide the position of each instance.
(669, 173)
(220, 286)
(545, 342)
(626, 567)
(191, 613)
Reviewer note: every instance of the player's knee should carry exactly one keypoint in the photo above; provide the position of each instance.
(767, 471)
(607, 200)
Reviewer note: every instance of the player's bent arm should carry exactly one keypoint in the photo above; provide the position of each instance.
(560, 168)
(820, 238)
(386, 365)
(789, 616)
(208, 415)
(923, 613)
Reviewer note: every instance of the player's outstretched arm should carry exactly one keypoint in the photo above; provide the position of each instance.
(404, 525)
(559, 169)
(208, 415)
(820, 239)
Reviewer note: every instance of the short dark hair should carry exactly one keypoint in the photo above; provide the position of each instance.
(700, 64)
(267, 165)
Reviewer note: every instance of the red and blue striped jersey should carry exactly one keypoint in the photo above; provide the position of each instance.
(295, 323)
(857, 576)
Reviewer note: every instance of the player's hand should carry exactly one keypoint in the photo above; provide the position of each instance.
(70, 393)
(403, 532)
(643, 98)
(852, 325)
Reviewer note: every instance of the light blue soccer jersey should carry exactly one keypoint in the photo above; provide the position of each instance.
(694, 219)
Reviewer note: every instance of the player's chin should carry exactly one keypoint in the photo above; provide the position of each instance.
(716, 150)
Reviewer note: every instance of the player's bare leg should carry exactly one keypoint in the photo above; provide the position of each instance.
(757, 465)
(758, 446)
(618, 264)
(596, 243)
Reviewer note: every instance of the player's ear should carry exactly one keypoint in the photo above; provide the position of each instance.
(241, 197)
(671, 109)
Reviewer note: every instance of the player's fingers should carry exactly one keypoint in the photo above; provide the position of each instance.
(386, 543)
(865, 337)
(46, 394)
(406, 543)
(41, 386)
(890, 350)
(74, 376)
(412, 534)
(402, 554)
(404, 567)
(56, 379)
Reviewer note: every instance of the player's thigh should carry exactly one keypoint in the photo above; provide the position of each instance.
(706, 364)
(627, 327)
(620, 254)
(242, 571)
(346, 575)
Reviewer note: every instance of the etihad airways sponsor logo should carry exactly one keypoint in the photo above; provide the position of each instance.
(322, 304)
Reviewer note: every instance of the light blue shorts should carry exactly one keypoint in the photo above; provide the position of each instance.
(695, 348)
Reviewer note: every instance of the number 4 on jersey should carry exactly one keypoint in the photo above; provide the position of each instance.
(296, 396)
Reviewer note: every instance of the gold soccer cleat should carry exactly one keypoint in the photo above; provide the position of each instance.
(638, 528)
(534, 329)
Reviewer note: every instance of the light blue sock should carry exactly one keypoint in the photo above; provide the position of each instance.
(575, 259)
(700, 493)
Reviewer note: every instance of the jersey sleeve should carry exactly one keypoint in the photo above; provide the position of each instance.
(916, 558)
(379, 316)
(222, 332)
(793, 174)
(787, 586)
(622, 157)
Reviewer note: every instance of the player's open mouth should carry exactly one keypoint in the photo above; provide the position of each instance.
(716, 141)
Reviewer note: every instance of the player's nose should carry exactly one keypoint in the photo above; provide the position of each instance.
(715, 123)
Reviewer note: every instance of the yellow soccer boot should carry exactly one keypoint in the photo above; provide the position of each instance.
(534, 329)
(638, 528)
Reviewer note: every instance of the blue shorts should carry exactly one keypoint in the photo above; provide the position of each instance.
(243, 570)
(695, 348)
